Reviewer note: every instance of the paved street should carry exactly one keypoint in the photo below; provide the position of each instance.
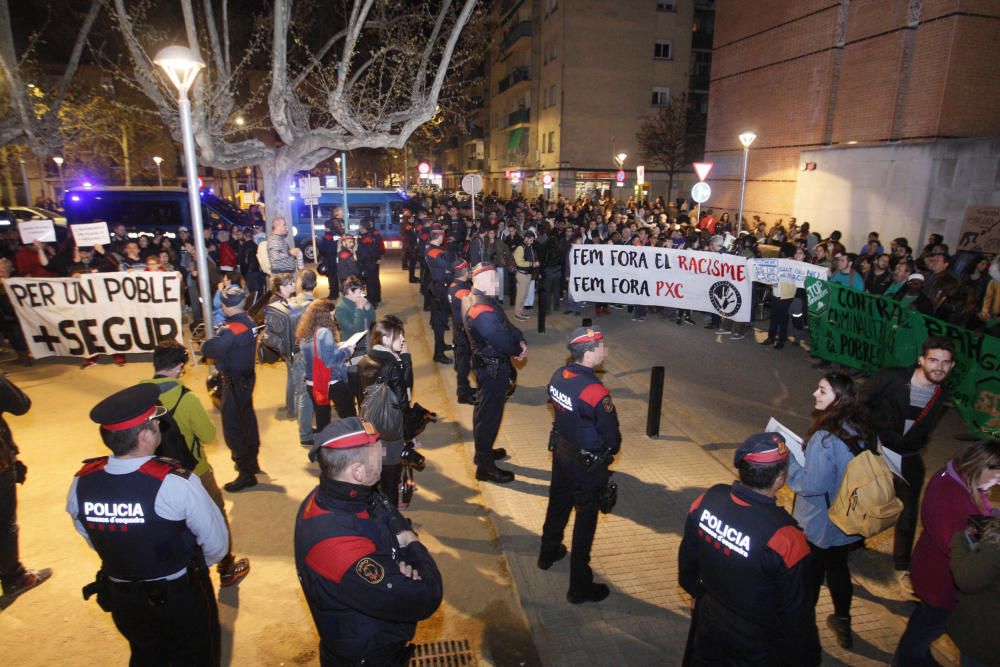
(509, 612)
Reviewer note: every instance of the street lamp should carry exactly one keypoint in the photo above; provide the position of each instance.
(620, 159)
(62, 182)
(746, 139)
(159, 173)
(341, 161)
(182, 66)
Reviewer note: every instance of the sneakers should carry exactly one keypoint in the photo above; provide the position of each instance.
(780, 345)
(737, 336)
(30, 579)
(234, 573)
(595, 593)
(545, 561)
(522, 317)
(905, 583)
(723, 332)
(688, 320)
(841, 628)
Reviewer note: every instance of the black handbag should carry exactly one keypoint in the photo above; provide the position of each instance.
(381, 408)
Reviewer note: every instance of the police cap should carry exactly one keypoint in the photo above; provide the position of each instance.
(129, 407)
(584, 335)
(344, 434)
(460, 265)
(762, 449)
(483, 267)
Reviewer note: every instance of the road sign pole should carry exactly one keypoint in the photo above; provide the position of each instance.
(312, 224)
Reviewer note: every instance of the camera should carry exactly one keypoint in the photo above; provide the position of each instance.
(413, 457)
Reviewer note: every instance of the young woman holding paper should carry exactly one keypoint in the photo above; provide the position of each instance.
(840, 430)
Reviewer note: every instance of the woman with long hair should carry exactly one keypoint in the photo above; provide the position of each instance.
(956, 492)
(840, 430)
(388, 360)
(316, 336)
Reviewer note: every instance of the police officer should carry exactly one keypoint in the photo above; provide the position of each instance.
(364, 572)
(584, 440)
(744, 560)
(156, 530)
(233, 350)
(460, 288)
(347, 264)
(456, 231)
(439, 263)
(423, 234)
(494, 341)
(370, 251)
(328, 250)
(408, 241)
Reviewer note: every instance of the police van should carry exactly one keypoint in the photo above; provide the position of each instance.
(384, 206)
(145, 209)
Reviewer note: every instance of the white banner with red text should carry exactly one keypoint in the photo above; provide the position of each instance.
(703, 281)
(97, 313)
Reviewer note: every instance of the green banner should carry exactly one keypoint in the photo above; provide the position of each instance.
(870, 332)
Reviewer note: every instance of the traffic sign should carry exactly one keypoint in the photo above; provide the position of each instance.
(424, 168)
(702, 169)
(701, 192)
(309, 188)
(640, 174)
(620, 176)
(472, 184)
(546, 179)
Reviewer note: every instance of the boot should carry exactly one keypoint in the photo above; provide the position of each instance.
(595, 593)
(494, 474)
(841, 628)
(546, 560)
(243, 481)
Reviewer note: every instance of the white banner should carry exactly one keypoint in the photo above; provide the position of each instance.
(97, 313)
(771, 271)
(703, 281)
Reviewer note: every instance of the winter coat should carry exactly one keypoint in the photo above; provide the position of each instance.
(976, 572)
(16, 402)
(190, 416)
(887, 395)
(333, 356)
(352, 319)
(397, 372)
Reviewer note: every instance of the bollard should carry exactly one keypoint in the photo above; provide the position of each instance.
(655, 401)
(542, 304)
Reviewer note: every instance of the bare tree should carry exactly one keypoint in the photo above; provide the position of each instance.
(30, 115)
(662, 139)
(369, 81)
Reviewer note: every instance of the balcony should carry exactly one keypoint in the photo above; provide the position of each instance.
(702, 40)
(475, 165)
(518, 117)
(522, 29)
(517, 75)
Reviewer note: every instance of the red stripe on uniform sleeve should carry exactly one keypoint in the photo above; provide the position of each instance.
(789, 543)
(593, 394)
(478, 309)
(332, 557)
(696, 504)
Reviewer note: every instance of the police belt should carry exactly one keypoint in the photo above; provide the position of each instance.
(587, 458)
(480, 361)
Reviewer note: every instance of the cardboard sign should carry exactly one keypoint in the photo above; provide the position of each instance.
(705, 281)
(91, 234)
(980, 230)
(37, 230)
(97, 313)
(771, 271)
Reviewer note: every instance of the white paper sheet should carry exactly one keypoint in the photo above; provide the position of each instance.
(893, 460)
(793, 441)
(353, 340)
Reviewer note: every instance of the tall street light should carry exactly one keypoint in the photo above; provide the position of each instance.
(341, 161)
(746, 139)
(62, 182)
(159, 173)
(182, 67)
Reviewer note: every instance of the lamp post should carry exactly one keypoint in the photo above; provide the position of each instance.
(62, 182)
(182, 66)
(746, 139)
(341, 161)
(159, 173)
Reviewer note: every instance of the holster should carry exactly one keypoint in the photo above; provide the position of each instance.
(491, 364)
(592, 461)
(100, 587)
(607, 497)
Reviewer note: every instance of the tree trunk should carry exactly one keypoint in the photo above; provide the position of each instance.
(126, 163)
(8, 180)
(277, 173)
(670, 187)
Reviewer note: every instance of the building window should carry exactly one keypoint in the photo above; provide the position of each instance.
(551, 6)
(552, 95)
(661, 97)
(553, 51)
(662, 51)
(552, 142)
(666, 5)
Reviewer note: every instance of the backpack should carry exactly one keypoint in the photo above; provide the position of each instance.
(172, 442)
(262, 258)
(274, 342)
(866, 502)
(381, 407)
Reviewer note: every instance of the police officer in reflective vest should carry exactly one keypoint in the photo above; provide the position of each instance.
(233, 350)
(156, 530)
(364, 572)
(494, 341)
(584, 440)
(744, 560)
(439, 263)
(371, 248)
(460, 288)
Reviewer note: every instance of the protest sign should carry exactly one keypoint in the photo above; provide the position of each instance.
(771, 271)
(980, 230)
(36, 230)
(703, 281)
(91, 234)
(97, 313)
(869, 332)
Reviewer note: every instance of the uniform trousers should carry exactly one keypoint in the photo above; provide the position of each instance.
(239, 421)
(488, 413)
(331, 275)
(724, 639)
(440, 313)
(373, 284)
(169, 622)
(573, 486)
(463, 361)
(10, 563)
